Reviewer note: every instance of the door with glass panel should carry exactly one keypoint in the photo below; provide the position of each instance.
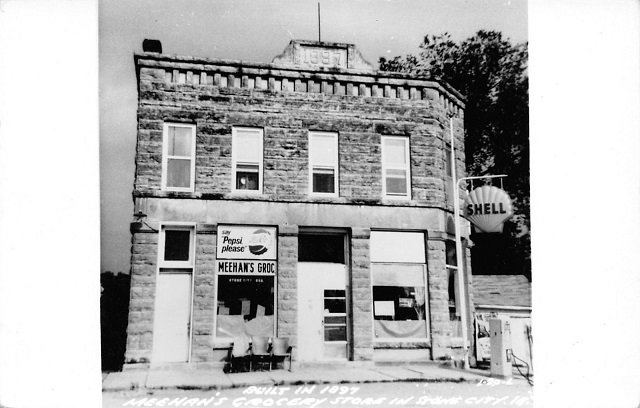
(322, 311)
(172, 317)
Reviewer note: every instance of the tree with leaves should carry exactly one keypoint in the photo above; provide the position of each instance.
(491, 73)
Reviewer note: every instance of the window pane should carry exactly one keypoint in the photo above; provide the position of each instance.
(324, 149)
(342, 320)
(334, 293)
(247, 177)
(179, 141)
(408, 303)
(454, 313)
(451, 253)
(397, 246)
(323, 181)
(397, 274)
(247, 145)
(394, 151)
(334, 306)
(321, 248)
(178, 173)
(176, 245)
(245, 306)
(335, 333)
(396, 182)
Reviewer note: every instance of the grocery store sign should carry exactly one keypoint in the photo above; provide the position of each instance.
(246, 242)
(263, 268)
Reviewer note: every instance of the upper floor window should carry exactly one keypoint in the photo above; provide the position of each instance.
(395, 167)
(246, 156)
(323, 163)
(448, 180)
(178, 157)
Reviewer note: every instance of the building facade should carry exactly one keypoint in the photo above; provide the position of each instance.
(307, 198)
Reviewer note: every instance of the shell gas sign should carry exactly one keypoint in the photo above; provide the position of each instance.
(488, 208)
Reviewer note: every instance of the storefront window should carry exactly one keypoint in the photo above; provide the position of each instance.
(399, 301)
(245, 306)
(399, 285)
(246, 273)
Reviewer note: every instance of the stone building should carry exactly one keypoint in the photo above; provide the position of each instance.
(307, 198)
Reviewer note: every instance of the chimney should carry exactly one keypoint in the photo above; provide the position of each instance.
(152, 46)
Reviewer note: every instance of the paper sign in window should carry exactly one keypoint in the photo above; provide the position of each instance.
(384, 308)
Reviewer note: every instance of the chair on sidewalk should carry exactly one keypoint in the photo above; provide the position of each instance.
(239, 356)
(260, 351)
(280, 349)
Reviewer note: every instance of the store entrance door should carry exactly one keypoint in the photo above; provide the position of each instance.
(172, 317)
(322, 311)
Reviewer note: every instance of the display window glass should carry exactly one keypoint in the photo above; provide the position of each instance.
(398, 278)
(245, 306)
(399, 301)
(246, 263)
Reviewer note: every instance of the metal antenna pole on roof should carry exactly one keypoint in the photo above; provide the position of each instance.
(319, 38)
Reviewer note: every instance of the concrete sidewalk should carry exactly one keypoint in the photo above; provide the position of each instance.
(189, 377)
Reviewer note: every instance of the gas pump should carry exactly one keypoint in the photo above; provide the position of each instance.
(501, 358)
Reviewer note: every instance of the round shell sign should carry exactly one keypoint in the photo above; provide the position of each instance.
(488, 208)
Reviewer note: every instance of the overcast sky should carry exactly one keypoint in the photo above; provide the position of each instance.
(251, 30)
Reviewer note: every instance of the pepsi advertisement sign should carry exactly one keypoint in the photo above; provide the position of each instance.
(246, 242)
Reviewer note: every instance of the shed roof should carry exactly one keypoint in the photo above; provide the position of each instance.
(501, 290)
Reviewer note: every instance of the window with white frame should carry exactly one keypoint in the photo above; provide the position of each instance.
(246, 154)
(178, 157)
(395, 167)
(176, 248)
(323, 163)
(448, 178)
(398, 278)
(452, 289)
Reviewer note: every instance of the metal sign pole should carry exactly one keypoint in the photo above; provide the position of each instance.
(460, 265)
(459, 261)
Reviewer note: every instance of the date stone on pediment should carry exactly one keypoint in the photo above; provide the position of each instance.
(314, 54)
